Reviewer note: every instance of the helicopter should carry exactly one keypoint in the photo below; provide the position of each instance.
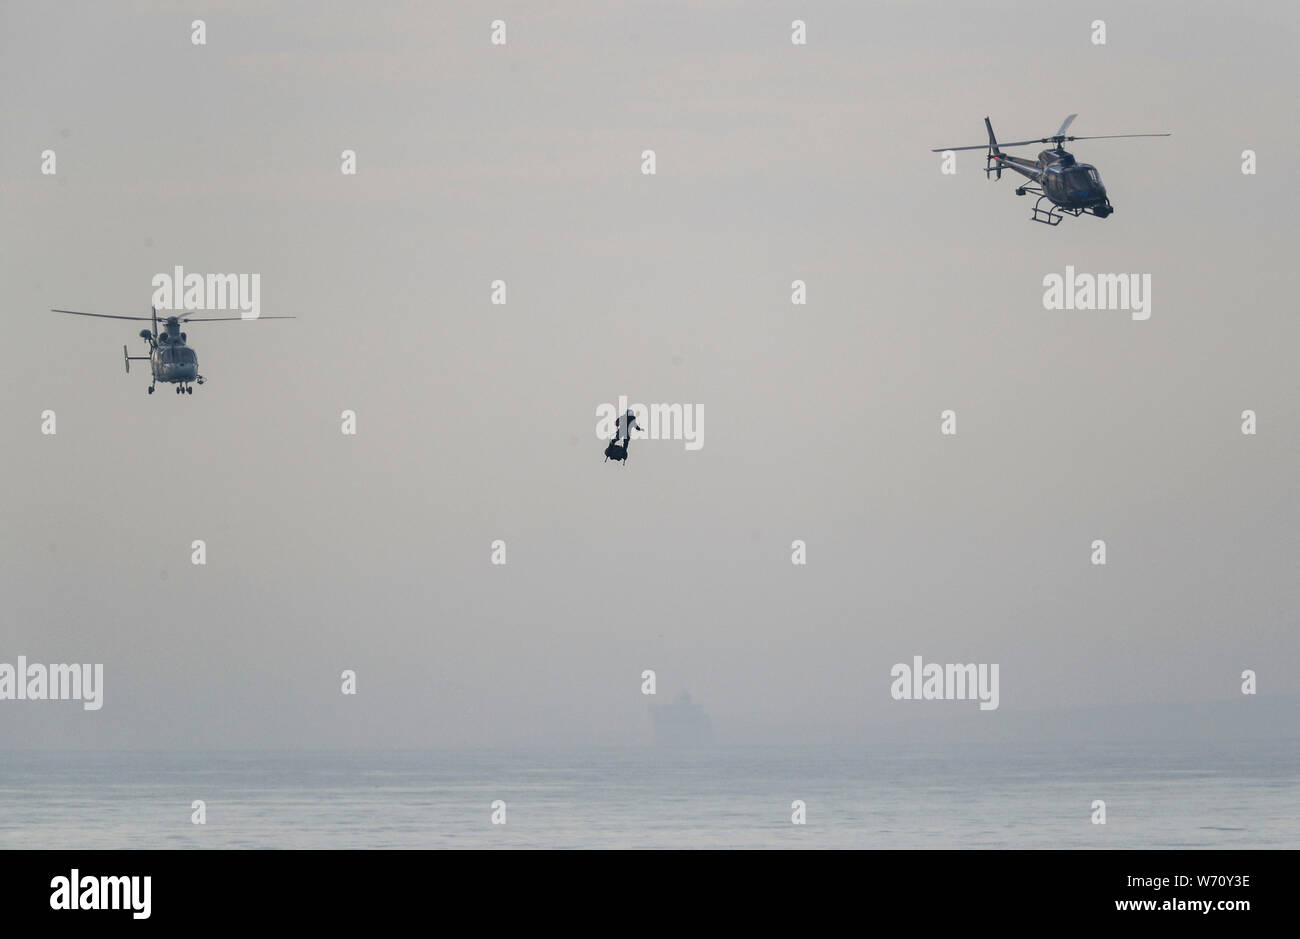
(1068, 187)
(170, 358)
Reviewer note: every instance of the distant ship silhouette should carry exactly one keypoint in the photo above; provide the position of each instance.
(682, 723)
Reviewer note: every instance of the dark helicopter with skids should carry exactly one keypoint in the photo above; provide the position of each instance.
(1067, 186)
(171, 359)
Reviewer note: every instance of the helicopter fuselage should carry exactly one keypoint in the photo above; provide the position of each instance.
(1065, 182)
(173, 361)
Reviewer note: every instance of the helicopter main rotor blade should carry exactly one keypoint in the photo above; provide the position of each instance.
(1001, 145)
(107, 316)
(1059, 136)
(221, 319)
(1110, 136)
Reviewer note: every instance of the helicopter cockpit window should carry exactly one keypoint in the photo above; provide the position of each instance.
(1079, 179)
(1092, 174)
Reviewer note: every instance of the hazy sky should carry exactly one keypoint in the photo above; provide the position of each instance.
(477, 422)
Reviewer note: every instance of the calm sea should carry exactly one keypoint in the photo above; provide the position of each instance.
(1160, 795)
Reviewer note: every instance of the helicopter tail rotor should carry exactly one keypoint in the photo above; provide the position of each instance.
(993, 162)
(128, 358)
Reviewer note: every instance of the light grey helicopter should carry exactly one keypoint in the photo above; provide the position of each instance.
(170, 358)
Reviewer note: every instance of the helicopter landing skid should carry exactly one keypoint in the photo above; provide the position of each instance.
(1053, 214)
(1049, 216)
